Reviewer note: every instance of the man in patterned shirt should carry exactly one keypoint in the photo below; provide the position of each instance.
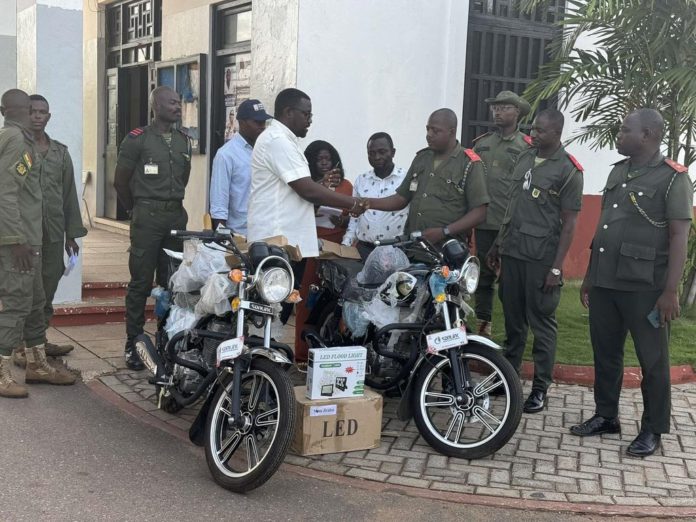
(379, 182)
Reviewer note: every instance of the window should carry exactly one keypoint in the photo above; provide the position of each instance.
(187, 77)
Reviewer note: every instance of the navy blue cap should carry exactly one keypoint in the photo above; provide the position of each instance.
(252, 110)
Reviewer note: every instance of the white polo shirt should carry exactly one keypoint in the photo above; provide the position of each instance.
(274, 207)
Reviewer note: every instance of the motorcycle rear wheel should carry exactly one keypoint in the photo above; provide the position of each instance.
(481, 423)
(243, 459)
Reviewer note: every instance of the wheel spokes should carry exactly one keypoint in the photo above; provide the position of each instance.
(484, 416)
(458, 421)
(252, 451)
(488, 384)
(267, 418)
(229, 446)
(448, 399)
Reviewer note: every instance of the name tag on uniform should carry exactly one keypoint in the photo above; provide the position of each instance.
(413, 186)
(151, 169)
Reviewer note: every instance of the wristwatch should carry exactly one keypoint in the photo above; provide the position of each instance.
(445, 231)
(556, 271)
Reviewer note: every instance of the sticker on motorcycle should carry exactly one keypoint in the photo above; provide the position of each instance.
(257, 307)
(452, 338)
(230, 349)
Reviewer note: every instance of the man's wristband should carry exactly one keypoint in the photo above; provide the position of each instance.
(446, 231)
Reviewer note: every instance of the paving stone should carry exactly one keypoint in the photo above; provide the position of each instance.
(407, 481)
(392, 468)
(498, 492)
(146, 405)
(437, 461)
(590, 499)
(297, 460)
(109, 380)
(414, 465)
(500, 475)
(456, 488)
(589, 486)
(329, 467)
(632, 501)
(367, 474)
(545, 495)
(678, 502)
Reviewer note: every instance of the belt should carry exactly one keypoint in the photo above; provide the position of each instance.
(159, 203)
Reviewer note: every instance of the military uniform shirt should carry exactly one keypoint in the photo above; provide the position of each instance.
(20, 189)
(161, 169)
(499, 154)
(631, 244)
(532, 224)
(440, 196)
(61, 209)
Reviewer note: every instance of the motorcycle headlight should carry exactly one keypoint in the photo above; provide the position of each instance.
(470, 275)
(274, 285)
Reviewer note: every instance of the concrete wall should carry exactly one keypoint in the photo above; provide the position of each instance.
(369, 66)
(274, 48)
(49, 62)
(8, 47)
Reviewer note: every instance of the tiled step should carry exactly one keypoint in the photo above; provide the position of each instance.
(92, 290)
(97, 310)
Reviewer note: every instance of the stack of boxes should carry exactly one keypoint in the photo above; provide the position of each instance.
(335, 411)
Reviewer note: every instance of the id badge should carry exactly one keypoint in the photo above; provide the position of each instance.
(413, 186)
(151, 169)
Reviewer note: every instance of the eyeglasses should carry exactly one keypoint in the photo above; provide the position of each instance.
(307, 114)
(502, 108)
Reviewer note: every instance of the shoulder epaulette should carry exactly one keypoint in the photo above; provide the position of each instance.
(61, 145)
(624, 160)
(184, 134)
(575, 162)
(527, 139)
(676, 166)
(136, 132)
(481, 136)
(423, 150)
(472, 155)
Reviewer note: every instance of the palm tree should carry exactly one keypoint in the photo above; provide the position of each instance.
(644, 55)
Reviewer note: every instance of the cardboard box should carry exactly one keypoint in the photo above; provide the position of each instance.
(331, 250)
(332, 426)
(336, 372)
(293, 251)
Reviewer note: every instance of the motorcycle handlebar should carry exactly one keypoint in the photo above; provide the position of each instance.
(211, 235)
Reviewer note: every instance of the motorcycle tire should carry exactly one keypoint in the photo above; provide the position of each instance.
(490, 420)
(327, 325)
(270, 422)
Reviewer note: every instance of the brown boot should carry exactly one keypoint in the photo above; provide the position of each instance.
(8, 387)
(39, 371)
(19, 357)
(58, 350)
(484, 328)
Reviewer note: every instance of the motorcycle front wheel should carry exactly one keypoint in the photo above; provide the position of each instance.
(242, 459)
(477, 423)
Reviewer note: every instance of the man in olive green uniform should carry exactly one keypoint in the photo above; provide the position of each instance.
(153, 167)
(499, 150)
(21, 289)
(62, 221)
(445, 186)
(535, 237)
(638, 255)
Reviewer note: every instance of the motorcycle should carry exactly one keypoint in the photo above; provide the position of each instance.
(247, 420)
(465, 397)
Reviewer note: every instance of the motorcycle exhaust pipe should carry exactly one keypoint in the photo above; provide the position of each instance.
(149, 356)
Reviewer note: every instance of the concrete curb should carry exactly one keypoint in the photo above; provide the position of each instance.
(108, 395)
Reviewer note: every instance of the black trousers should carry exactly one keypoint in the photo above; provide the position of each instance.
(613, 314)
(525, 306)
(484, 292)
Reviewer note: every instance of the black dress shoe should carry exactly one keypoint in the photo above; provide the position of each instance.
(644, 444)
(596, 426)
(133, 362)
(535, 402)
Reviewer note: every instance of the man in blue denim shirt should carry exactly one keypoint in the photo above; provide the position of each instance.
(229, 187)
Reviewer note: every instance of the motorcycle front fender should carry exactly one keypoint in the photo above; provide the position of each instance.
(197, 429)
(272, 354)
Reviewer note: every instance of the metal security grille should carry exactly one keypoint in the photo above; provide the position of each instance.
(504, 51)
(133, 32)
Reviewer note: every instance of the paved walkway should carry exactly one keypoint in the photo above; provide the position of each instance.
(541, 462)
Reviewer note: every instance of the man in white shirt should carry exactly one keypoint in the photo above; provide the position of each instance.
(379, 182)
(229, 187)
(283, 194)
